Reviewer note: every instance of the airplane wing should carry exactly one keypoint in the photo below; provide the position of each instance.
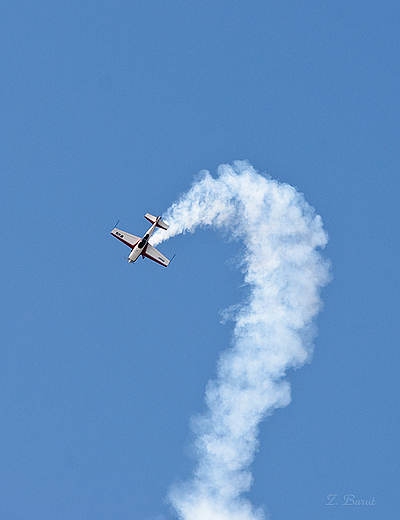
(126, 238)
(152, 253)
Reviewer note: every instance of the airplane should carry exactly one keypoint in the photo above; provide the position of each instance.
(141, 246)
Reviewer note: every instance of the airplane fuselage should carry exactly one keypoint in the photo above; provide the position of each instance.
(141, 245)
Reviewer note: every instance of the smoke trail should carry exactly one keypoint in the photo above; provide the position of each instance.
(273, 327)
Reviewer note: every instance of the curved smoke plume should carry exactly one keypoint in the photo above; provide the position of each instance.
(273, 329)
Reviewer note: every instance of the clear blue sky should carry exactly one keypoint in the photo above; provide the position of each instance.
(108, 111)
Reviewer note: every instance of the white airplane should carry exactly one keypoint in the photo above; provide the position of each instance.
(141, 246)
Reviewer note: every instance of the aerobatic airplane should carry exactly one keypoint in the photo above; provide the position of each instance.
(141, 246)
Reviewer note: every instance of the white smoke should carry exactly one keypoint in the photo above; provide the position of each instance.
(273, 327)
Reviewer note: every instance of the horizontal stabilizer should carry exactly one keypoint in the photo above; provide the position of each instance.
(160, 223)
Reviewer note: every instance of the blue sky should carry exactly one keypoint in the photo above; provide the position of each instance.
(109, 111)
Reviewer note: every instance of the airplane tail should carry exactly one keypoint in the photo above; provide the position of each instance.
(160, 223)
